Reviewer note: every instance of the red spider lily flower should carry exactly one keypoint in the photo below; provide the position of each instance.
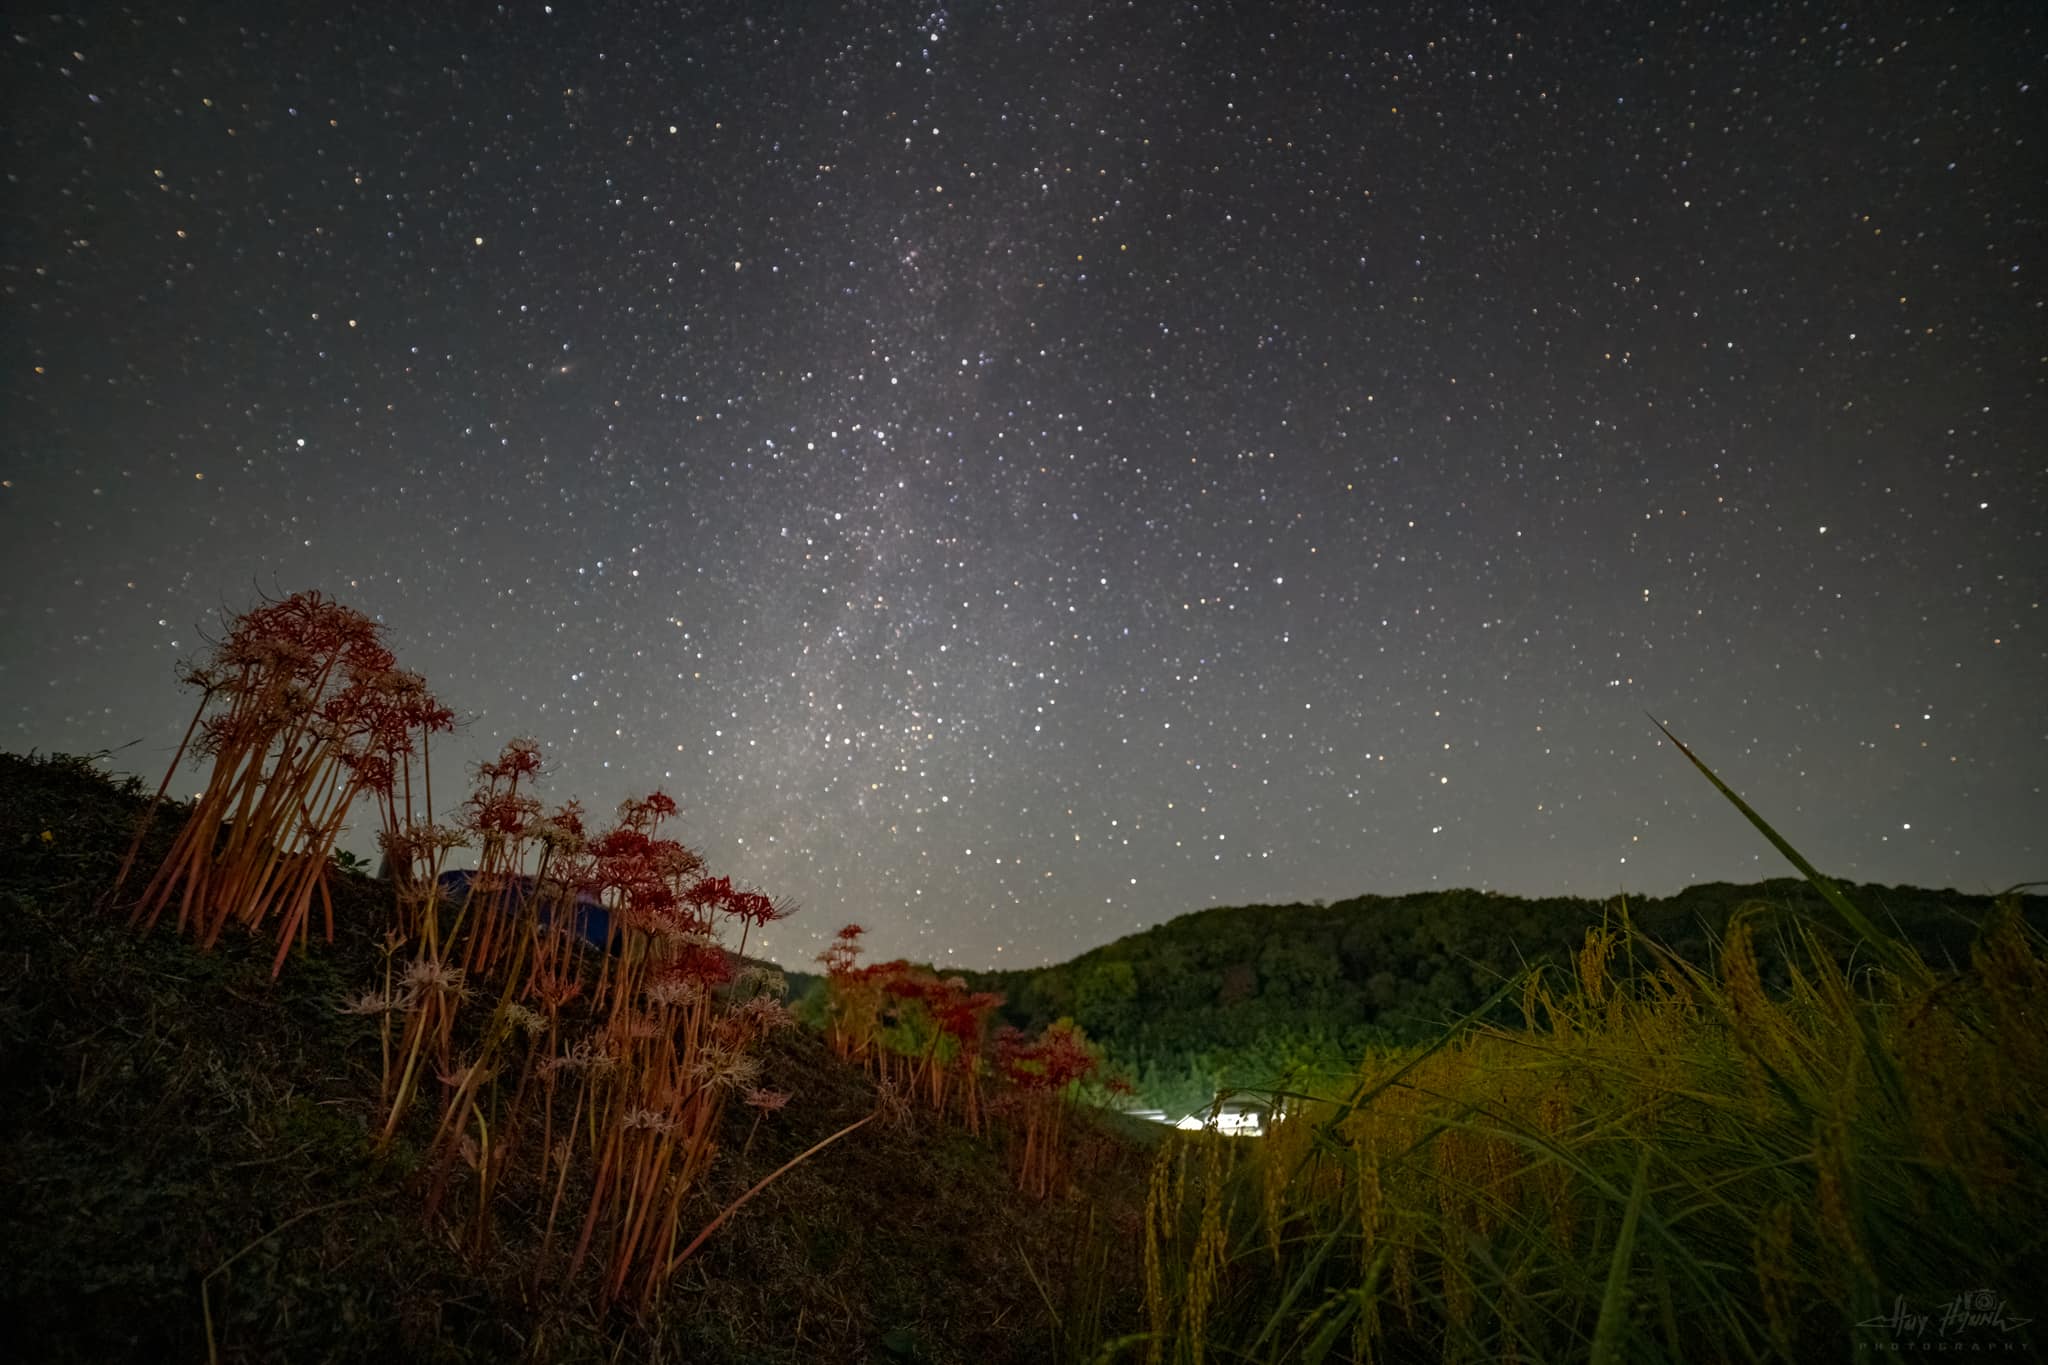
(308, 628)
(369, 657)
(756, 908)
(963, 1016)
(555, 992)
(670, 859)
(767, 1014)
(655, 898)
(767, 1101)
(705, 962)
(217, 733)
(905, 982)
(520, 759)
(1050, 1063)
(374, 772)
(839, 959)
(647, 813)
(710, 892)
(1066, 1057)
(620, 844)
(568, 817)
(504, 814)
(425, 713)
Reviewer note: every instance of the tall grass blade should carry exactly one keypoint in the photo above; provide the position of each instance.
(1117, 1346)
(1368, 1089)
(1614, 1303)
(1357, 1300)
(1301, 1282)
(1879, 942)
(1051, 1310)
(1332, 1328)
(763, 1183)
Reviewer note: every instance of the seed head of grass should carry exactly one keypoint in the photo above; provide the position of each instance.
(464, 1076)
(584, 1055)
(648, 1120)
(725, 1067)
(765, 1014)
(672, 991)
(424, 977)
(530, 1022)
(377, 1002)
(767, 1101)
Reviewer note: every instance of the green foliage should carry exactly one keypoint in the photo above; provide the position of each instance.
(1259, 996)
(185, 1141)
(1664, 1164)
(348, 860)
(1658, 1161)
(1106, 997)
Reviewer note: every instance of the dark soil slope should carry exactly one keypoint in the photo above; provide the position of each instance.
(186, 1168)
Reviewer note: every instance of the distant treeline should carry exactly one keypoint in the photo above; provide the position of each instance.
(1293, 994)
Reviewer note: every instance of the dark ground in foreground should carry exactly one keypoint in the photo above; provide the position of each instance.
(181, 1137)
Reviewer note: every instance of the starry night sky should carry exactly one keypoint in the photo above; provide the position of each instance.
(1017, 473)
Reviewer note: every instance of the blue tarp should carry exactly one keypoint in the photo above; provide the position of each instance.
(593, 921)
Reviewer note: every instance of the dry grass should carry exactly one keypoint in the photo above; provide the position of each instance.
(1654, 1162)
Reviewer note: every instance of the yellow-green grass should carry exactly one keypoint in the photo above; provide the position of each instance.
(1648, 1161)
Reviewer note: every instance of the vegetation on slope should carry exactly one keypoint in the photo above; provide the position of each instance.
(190, 1149)
(1650, 1162)
(1293, 995)
(207, 1154)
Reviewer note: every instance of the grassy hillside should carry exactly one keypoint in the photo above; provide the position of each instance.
(187, 1151)
(1254, 994)
(1645, 1160)
(1691, 1132)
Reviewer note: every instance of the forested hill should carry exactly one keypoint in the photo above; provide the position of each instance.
(1255, 994)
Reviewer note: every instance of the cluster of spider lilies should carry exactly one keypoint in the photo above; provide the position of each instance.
(922, 1037)
(568, 1008)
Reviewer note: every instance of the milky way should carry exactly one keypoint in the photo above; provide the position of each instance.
(1017, 473)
